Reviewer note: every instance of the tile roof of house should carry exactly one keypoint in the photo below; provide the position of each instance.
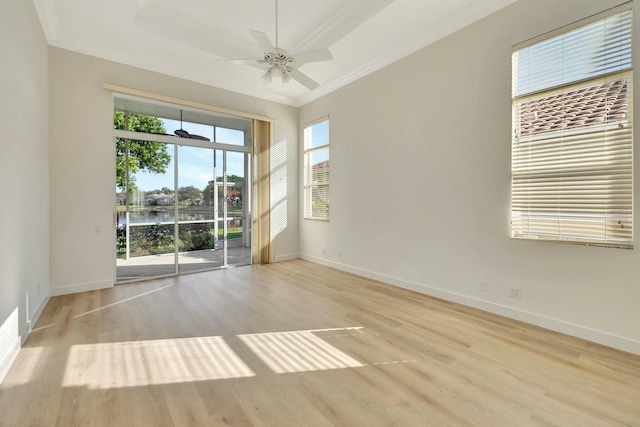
(585, 107)
(324, 164)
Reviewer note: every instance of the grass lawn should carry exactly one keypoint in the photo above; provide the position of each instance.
(232, 233)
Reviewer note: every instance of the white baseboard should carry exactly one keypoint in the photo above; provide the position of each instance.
(83, 287)
(33, 319)
(11, 339)
(9, 342)
(609, 340)
(286, 257)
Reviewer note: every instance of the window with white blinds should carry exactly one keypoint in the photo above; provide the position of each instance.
(572, 134)
(316, 170)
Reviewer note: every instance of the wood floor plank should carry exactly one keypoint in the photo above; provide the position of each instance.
(300, 344)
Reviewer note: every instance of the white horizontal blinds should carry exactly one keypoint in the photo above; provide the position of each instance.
(572, 153)
(572, 174)
(598, 48)
(316, 174)
(318, 183)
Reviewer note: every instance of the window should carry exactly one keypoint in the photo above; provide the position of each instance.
(572, 134)
(316, 170)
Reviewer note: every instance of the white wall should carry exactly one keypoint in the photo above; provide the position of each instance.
(24, 174)
(82, 162)
(420, 186)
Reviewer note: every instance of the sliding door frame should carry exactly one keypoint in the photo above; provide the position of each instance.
(257, 161)
(246, 152)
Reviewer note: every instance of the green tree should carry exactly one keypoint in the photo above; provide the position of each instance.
(232, 178)
(189, 194)
(144, 156)
(208, 193)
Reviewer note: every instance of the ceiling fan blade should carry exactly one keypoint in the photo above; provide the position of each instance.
(264, 80)
(312, 56)
(262, 83)
(153, 17)
(237, 61)
(263, 41)
(303, 79)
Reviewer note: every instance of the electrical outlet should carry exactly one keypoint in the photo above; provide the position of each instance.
(339, 254)
(324, 251)
(483, 286)
(515, 293)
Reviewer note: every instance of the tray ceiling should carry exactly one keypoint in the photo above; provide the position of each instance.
(188, 38)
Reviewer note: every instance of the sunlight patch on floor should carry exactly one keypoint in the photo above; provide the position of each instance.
(297, 351)
(142, 363)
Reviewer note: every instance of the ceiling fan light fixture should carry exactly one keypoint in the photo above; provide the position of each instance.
(286, 76)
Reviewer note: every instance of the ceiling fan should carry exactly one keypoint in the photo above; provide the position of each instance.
(279, 63)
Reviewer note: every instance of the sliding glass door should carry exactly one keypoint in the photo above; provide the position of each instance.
(235, 202)
(197, 210)
(212, 229)
(182, 201)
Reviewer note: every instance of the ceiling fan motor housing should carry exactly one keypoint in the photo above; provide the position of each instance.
(278, 58)
(278, 62)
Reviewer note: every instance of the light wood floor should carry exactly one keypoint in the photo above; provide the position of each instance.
(298, 344)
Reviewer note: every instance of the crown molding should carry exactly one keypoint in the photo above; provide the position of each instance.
(344, 20)
(446, 27)
(48, 20)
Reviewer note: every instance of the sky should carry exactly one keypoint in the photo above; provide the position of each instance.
(195, 164)
(317, 135)
(195, 167)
